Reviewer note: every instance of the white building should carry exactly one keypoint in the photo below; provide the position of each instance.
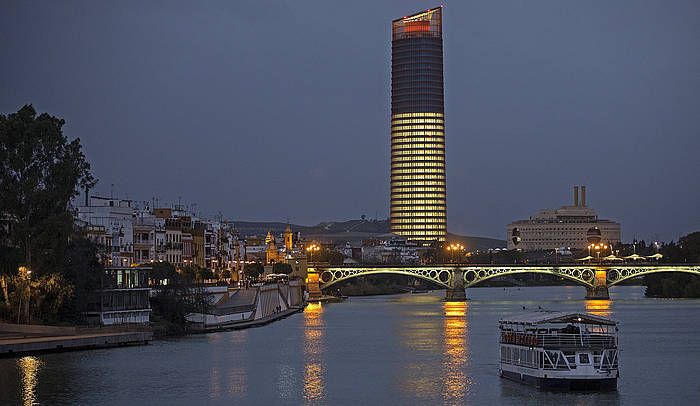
(573, 227)
(110, 227)
(393, 251)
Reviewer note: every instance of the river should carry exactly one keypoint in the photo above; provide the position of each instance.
(399, 349)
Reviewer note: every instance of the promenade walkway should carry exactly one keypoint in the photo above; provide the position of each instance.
(16, 340)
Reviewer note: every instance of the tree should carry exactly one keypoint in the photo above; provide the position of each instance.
(674, 284)
(281, 267)
(253, 270)
(162, 272)
(40, 172)
(83, 272)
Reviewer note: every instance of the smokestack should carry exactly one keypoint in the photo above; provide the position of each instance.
(576, 196)
(583, 196)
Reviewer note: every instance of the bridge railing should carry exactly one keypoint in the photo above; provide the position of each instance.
(560, 341)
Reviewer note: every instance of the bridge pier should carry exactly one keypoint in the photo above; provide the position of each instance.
(456, 292)
(600, 286)
(598, 292)
(313, 286)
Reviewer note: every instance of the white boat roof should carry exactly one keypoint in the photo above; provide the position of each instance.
(548, 316)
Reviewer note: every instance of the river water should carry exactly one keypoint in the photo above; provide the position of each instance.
(399, 349)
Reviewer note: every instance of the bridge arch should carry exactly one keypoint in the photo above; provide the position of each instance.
(586, 276)
(583, 276)
(441, 276)
(616, 275)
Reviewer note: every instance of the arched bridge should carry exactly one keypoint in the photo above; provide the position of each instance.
(595, 278)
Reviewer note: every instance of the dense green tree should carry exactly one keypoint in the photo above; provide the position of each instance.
(83, 272)
(331, 257)
(281, 268)
(686, 250)
(162, 272)
(40, 172)
(253, 270)
(195, 273)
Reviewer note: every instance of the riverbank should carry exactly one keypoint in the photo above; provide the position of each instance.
(248, 307)
(19, 339)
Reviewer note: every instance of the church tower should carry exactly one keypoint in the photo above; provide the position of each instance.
(288, 238)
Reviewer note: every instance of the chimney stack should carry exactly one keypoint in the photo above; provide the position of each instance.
(575, 196)
(583, 196)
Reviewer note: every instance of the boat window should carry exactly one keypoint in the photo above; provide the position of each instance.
(583, 359)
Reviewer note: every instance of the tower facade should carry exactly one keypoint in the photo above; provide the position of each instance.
(418, 189)
(288, 238)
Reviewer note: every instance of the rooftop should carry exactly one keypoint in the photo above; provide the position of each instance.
(549, 316)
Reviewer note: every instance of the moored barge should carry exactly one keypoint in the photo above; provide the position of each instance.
(559, 350)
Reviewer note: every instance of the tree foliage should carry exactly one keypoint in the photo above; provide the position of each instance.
(282, 268)
(253, 270)
(40, 172)
(686, 250)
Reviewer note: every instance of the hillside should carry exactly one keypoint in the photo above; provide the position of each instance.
(354, 231)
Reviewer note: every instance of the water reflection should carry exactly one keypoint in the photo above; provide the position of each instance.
(215, 383)
(29, 369)
(420, 336)
(313, 353)
(599, 307)
(237, 373)
(456, 352)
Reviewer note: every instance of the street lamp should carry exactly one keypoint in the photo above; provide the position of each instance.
(310, 249)
(453, 249)
(597, 248)
(26, 275)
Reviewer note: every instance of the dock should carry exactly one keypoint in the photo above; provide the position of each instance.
(18, 339)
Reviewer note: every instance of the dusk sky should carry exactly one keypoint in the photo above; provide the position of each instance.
(280, 110)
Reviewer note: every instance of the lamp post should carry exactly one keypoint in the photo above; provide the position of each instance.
(29, 292)
(26, 276)
(310, 249)
(453, 249)
(598, 247)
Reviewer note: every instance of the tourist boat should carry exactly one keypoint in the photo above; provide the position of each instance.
(571, 351)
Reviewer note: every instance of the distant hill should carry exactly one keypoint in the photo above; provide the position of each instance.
(353, 231)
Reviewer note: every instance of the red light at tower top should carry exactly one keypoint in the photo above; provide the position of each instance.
(417, 26)
(427, 23)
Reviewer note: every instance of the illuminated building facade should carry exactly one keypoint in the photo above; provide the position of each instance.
(418, 196)
(570, 227)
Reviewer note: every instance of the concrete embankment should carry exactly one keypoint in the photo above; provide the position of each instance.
(243, 308)
(19, 339)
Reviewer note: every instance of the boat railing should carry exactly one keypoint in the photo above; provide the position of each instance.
(563, 340)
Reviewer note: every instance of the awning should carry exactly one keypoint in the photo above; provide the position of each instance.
(612, 258)
(634, 257)
(656, 256)
(585, 258)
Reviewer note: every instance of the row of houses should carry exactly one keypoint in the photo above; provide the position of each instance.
(129, 235)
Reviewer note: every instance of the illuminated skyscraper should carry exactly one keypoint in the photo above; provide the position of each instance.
(418, 196)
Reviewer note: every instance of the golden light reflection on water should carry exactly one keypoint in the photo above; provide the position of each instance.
(456, 352)
(313, 353)
(29, 369)
(215, 383)
(237, 373)
(599, 307)
(420, 339)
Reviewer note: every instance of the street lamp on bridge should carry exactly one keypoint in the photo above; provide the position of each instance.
(597, 247)
(454, 249)
(310, 249)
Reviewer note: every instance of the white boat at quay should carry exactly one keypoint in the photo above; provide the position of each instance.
(559, 350)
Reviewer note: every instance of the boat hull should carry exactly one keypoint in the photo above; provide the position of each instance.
(597, 384)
